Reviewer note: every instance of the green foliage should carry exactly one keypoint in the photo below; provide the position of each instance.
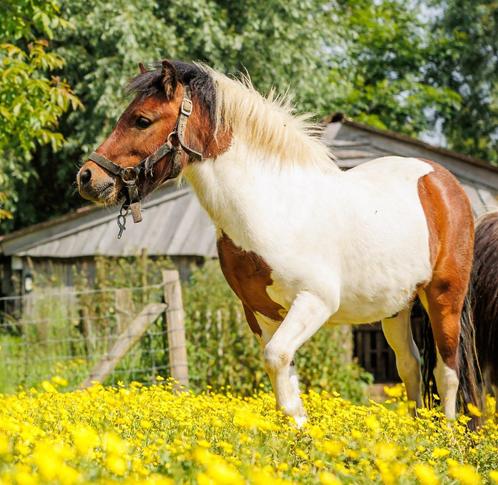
(379, 68)
(389, 63)
(463, 58)
(31, 99)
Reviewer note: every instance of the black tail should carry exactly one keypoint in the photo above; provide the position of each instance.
(469, 390)
(429, 358)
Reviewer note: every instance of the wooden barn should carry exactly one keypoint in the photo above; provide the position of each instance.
(175, 225)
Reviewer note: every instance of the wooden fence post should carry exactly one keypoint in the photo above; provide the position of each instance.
(175, 324)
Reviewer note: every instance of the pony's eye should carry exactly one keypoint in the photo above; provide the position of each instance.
(142, 123)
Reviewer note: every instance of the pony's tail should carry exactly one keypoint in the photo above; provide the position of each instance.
(469, 387)
(429, 359)
(469, 390)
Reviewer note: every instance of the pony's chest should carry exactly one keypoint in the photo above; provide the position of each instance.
(250, 278)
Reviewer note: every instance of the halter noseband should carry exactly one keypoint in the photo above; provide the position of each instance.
(129, 175)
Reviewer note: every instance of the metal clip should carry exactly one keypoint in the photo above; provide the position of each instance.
(123, 212)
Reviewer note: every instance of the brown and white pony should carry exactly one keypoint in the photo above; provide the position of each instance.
(301, 243)
(485, 298)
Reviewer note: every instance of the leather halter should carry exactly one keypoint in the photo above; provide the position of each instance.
(130, 175)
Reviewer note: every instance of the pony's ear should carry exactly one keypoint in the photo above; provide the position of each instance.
(142, 68)
(169, 78)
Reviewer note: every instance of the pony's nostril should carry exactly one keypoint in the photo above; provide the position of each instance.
(85, 176)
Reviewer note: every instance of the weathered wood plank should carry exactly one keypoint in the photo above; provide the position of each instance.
(175, 319)
(124, 343)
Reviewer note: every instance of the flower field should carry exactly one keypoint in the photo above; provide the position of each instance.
(141, 434)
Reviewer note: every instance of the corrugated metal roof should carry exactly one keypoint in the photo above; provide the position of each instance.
(175, 224)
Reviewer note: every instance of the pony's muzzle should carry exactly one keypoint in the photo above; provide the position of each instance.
(95, 184)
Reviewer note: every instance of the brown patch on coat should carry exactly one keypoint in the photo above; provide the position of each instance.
(451, 239)
(248, 275)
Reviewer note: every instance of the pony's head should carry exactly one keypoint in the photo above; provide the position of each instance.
(170, 123)
(184, 112)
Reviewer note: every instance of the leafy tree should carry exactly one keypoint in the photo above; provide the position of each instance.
(464, 58)
(378, 70)
(275, 41)
(31, 101)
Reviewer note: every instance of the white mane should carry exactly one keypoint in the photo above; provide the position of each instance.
(267, 123)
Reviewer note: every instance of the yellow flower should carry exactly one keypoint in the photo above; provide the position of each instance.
(48, 387)
(59, 381)
(157, 479)
(68, 475)
(301, 454)
(47, 461)
(116, 464)
(222, 473)
(203, 479)
(327, 478)
(113, 444)
(4, 444)
(386, 451)
(425, 474)
(474, 410)
(465, 474)
(394, 391)
(204, 443)
(493, 475)
(440, 452)
(145, 424)
(333, 448)
(85, 439)
(372, 423)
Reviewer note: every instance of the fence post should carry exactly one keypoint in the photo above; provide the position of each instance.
(175, 324)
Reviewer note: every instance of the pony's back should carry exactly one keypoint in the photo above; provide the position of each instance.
(485, 293)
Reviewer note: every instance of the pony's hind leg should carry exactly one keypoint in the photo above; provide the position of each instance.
(306, 315)
(450, 225)
(398, 333)
(444, 305)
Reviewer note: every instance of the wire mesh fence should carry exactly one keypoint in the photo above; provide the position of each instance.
(63, 334)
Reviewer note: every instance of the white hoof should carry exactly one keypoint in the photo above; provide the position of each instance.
(300, 421)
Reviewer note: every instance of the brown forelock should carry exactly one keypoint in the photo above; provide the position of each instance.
(249, 276)
(485, 294)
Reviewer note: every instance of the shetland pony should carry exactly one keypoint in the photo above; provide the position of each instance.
(301, 243)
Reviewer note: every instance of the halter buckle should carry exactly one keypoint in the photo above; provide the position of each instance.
(186, 107)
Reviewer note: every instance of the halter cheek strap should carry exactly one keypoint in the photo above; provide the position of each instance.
(130, 175)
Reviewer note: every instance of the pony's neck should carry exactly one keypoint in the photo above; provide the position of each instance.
(268, 124)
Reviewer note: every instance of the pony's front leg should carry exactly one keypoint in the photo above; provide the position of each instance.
(306, 315)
